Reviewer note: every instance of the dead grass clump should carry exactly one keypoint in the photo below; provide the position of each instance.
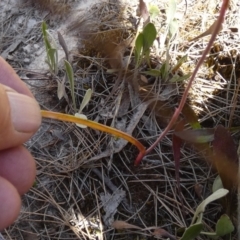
(56, 7)
(104, 33)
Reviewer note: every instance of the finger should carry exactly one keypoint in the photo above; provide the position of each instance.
(9, 78)
(19, 117)
(10, 203)
(18, 167)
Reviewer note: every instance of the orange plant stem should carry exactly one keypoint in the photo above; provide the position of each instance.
(96, 126)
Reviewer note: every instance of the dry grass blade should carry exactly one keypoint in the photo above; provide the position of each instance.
(159, 233)
(54, 6)
(207, 32)
(124, 225)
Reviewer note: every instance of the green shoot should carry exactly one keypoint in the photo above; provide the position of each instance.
(70, 77)
(144, 42)
(224, 225)
(154, 11)
(85, 101)
(52, 54)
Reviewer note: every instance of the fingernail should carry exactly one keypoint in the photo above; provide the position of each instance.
(25, 112)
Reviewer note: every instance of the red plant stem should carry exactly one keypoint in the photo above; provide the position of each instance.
(96, 126)
(185, 94)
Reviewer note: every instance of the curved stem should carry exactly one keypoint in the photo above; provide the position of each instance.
(94, 125)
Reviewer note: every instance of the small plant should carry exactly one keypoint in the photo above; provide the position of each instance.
(178, 110)
(224, 225)
(51, 50)
(84, 102)
(70, 77)
(169, 74)
(52, 61)
(143, 43)
(146, 38)
(52, 58)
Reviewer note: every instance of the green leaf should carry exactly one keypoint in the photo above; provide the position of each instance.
(45, 36)
(202, 135)
(173, 27)
(153, 72)
(153, 11)
(164, 70)
(177, 78)
(214, 196)
(52, 59)
(192, 232)
(147, 57)
(138, 48)
(85, 100)
(70, 76)
(217, 184)
(171, 11)
(52, 54)
(224, 226)
(179, 63)
(149, 35)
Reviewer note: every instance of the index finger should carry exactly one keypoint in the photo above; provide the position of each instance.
(9, 78)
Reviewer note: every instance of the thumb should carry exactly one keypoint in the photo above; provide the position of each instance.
(19, 117)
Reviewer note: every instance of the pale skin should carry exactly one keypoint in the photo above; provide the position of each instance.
(19, 119)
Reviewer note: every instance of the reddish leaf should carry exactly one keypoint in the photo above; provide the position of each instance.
(196, 135)
(225, 157)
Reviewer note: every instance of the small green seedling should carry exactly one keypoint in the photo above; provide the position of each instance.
(167, 73)
(144, 42)
(224, 225)
(70, 77)
(146, 38)
(85, 101)
(154, 11)
(171, 23)
(51, 49)
(86, 97)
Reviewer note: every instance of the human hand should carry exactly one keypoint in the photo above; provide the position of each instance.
(19, 119)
